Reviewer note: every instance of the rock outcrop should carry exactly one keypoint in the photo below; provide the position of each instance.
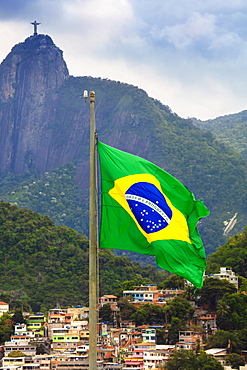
(29, 79)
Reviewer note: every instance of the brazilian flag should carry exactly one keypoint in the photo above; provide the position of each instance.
(146, 210)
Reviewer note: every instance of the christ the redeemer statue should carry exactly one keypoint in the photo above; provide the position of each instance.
(35, 24)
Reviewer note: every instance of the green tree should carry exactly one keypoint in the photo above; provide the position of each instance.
(18, 317)
(235, 360)
(140, 317)
(161, 336)
(188, 360)
(155, 313)
(242, 335)
(232, 311)
(208, 362)
(105, 313)
(174, 328)
(181, 308)
(126, 308)
(213, 290)
(148, 314)
(6, 327)
(223, 311)
(189, 293)
(242, 283)
(225, 339)
(172, 282)
(182, 360)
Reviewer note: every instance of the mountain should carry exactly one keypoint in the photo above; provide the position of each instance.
(44, 149)
(230, 129)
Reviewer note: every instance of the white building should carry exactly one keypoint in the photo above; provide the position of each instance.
(227, 274)
(22, 346)
(149, 335)
(143, 293)
(4, 307)
(157, 357)
(12, 363)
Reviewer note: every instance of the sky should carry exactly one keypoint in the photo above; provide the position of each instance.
(190, 55)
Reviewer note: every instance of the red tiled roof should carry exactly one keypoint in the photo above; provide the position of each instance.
(3, 303)
(109, 296)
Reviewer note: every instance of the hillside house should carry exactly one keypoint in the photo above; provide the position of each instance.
(4, 307)
(149, 335)
(143, 294)
(188, 340)
(22, 346)
(155, 358)
(65, 341)
(134, 361)
(13, 362)
(226, 274)
(168, 294)
(219, 354)
(35, 323)
(108, 299)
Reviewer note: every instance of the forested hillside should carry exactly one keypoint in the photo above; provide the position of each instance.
(43, 265)
(233, 254)
(230, 129)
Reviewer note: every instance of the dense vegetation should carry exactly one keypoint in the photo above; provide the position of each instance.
(52, 193)
(184, 359)
(233, 254)
(230, 129)
(43, 265)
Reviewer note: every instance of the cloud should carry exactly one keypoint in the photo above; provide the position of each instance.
(190, 55)
(196, 27)
(13, 9)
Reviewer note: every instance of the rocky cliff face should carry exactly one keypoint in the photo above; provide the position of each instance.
(44, 123)
(29, 79)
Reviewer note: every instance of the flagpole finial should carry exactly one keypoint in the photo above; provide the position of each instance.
(92, 96)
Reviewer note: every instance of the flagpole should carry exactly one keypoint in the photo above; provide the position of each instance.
(92, 242)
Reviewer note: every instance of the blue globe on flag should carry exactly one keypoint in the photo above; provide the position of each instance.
(149, 206)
